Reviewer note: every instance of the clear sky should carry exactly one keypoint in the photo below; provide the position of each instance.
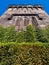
(5, 3)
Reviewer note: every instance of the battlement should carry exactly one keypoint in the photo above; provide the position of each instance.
(25, 6)
(22, 15)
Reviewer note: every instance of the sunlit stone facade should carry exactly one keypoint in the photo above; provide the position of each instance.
(21, 16)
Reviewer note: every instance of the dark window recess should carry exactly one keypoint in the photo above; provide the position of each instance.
(9, 19)
(40, 18)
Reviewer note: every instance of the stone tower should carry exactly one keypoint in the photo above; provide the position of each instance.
(20, 16)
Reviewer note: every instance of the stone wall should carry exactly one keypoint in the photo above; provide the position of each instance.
(21, 16)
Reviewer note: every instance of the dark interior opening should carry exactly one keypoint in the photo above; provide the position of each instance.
(24, 14)
(9, 18)
(40, 18)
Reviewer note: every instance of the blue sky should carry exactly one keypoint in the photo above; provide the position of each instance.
(5, 3)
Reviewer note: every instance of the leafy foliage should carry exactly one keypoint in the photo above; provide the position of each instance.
(20, 36)
(30, 35)
(47, 32)
(41, 35)
(13, 54)
(2, 33)
(10, 34)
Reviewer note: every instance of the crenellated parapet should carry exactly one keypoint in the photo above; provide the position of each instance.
(25, 6)
(23, 15)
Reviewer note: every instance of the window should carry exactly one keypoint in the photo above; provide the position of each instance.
(9, 19)
(40, 18)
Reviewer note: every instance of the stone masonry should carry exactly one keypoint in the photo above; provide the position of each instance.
(22, 15)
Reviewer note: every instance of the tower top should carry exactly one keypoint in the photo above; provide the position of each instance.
(25, 6)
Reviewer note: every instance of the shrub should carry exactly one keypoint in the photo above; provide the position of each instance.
(47, 32)
(41, 35)
(10, 34)
(11, 54)
(29, 34)
(2, 33)
(20, 36)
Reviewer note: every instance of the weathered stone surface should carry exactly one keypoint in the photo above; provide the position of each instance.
(21, 16)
